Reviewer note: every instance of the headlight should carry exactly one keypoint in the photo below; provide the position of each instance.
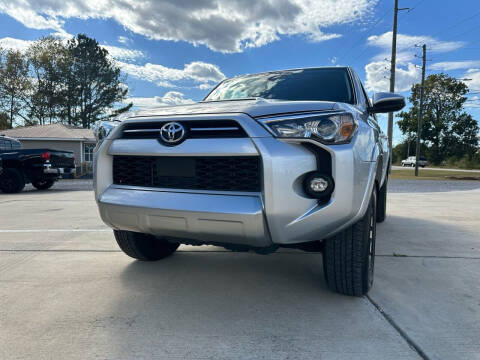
(332, 128)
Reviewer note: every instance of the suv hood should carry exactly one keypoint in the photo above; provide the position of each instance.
(254, 108)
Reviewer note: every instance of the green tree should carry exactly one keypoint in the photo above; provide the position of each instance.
(44, 99)
(14, 84)
(96, 81)
(447, 129)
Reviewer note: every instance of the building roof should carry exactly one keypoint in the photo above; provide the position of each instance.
(50, 132)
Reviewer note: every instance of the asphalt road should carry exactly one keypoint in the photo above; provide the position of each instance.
(394, 167)
(67, 292)
(394, 185)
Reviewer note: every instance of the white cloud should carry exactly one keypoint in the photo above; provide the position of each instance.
(222, 25)
(15, 44)
(197, 71)
(454, 65)
(408, 42)
(124, 40)
(118, 53)
(473, 102)
(27, 14)
(406, 74)
(378, 77)
(121, 53)
(161, 75)
(473, 84)
(169, 99)
(205, 86)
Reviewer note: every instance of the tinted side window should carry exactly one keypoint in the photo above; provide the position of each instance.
(16, 145)
(2, 144)
(361, 96)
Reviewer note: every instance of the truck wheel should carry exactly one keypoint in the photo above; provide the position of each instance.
(349, 257)
(12, 181)
(43, 184)
(144, 247)
(382, 202)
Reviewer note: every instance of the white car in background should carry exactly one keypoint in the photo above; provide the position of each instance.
(410, 161)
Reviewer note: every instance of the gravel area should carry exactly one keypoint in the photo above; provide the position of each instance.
(394, 186)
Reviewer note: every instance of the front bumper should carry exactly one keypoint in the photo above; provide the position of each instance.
(280, 214)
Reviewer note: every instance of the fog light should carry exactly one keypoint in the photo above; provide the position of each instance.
(318, 185)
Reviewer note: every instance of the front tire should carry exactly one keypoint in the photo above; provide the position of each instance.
(12, 181)
(382, 202)
(144, 247)
(349, 256)
(43, 184)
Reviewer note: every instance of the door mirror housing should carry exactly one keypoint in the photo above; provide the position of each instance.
(387, 102)
(102, 129)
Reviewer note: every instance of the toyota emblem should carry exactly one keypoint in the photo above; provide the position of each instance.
(172, 133)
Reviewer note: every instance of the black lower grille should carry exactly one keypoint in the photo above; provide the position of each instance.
(196, 173)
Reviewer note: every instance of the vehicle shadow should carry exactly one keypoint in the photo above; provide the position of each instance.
(200, 304)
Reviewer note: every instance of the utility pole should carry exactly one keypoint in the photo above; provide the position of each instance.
(420, 111)
(393, 61)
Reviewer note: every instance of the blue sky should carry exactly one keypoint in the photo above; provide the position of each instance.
(174, 51)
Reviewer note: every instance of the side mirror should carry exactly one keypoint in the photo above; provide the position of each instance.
(101, 129)
(387, 102)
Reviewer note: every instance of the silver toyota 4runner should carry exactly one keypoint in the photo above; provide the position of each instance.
(291, 158)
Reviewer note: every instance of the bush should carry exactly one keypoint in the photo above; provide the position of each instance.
(465, 162)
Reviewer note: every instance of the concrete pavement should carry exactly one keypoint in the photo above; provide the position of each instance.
(68, 292)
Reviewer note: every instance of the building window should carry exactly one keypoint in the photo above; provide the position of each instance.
(88, 151)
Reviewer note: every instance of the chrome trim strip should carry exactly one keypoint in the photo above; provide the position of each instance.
(140, 130)
(216, 129)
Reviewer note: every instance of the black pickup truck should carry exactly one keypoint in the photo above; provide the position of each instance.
(41, 167)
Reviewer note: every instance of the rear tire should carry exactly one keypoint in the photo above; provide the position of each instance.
(382, 202)
(144, 247)
(43, 184)
(349, 256)
(12, 181)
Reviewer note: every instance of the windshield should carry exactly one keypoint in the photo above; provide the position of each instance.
(322, 84)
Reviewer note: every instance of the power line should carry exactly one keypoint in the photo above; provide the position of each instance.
(463, 33)
(414, 6)
(368, 34)
(456, 24)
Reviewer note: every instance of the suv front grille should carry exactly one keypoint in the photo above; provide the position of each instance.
(187, 172)
(194, 129)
